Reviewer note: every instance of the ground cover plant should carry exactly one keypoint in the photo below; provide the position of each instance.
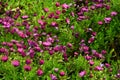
(59, 40)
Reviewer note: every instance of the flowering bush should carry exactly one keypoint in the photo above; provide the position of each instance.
(57, 40)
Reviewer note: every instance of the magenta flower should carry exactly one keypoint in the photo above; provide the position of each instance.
(94, 33)
(38, 49)
(63, 11)
(51, 52)
(10, 44)
(92, 7)
(100, 22)
(62, 73)
(46, 44)
(41, 62)
(57, 4)
(69, 45)
(54, 24)
(113, 13)
(25, 17)
(65, 6)
(107, 65)
(91, 63)
(20, 50)
(15, 63)
(46, 10)
(98, 68)
(28, 61)
(51, 15)
(58, 12)
(99, 5)
(107, 19)
(67, 20)
(56, 16)
(39, 72)
(19, 45)
(4, 58)
(82, 73)
(72, 14)
(85, 48)
(42, 17)
(103, 52)
(88, 57)
(21, 34)
(72, 27)
(27, 68)
(91, 40)
(42, 23)
(53, 77)
(84, 9)
(107, 7)
(75, 53)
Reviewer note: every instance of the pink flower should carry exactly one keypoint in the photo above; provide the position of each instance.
(65, 6)
(54, 24)
(51, 15)
(58, 12)
(113, 13)
(15, 63)
(67, 20)
(57, 4)
(28, 61)
(94, 33)
(46, 44)
(42, 23)
(72, 27)
(4, 58)
(100, 22)
(98, 68)
(41, 62)
(56, 16)
(107, 19)
(72, 14)
(25, 17)
(91, 40)
(107, 7)
(107, 65)
(51, 52)
(46, 10)
(103, 52)
(42, 17)
(88, 57)
(39, 72)
(75, 54)
(92, 7)
(84, 9)
(82, 73)
(91, 63)
(53, 77)
(69, 45)
(85, 48)
(27, 68)
(62, 73)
